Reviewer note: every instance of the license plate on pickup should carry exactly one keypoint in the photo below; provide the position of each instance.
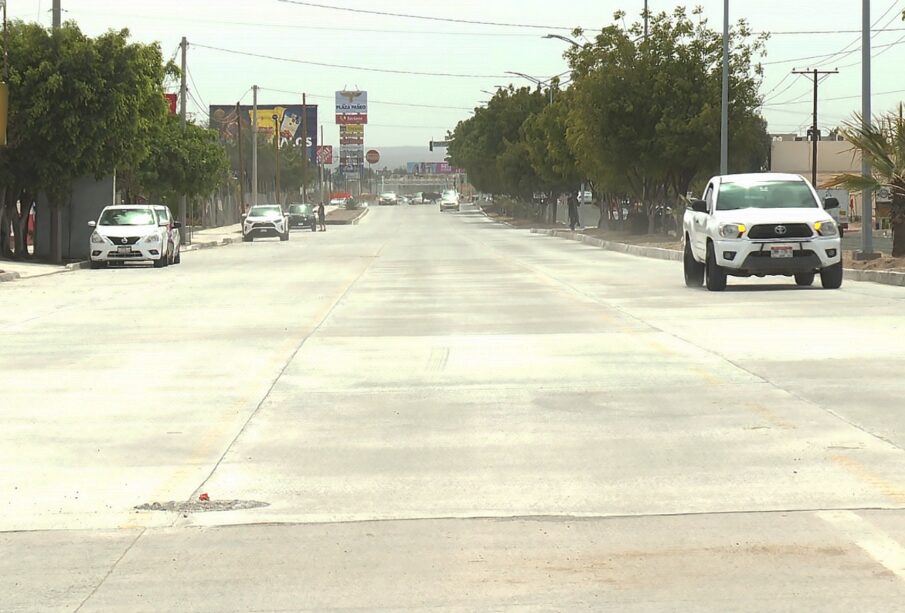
(781, 251)
(124, 250)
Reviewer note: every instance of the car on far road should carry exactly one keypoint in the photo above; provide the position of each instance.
(585, 197)
(418, 198)
(757, 225)
(341, 202)
(405, 200)
(130, 233)
(164, 215)
(302, 216)
(388, 199)
(265, 220)
(449, 200)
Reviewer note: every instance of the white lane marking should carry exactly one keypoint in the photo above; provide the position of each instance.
(878, 545)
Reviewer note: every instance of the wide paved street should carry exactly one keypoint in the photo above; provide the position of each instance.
(432, 411)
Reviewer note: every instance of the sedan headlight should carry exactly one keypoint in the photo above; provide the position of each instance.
(826, 228)
(732, 230)
(154, 238)
(97, 239)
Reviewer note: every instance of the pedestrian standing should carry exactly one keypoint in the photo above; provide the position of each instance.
(322, 216)
(573, 212)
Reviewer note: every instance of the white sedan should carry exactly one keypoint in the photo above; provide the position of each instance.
(130, 233)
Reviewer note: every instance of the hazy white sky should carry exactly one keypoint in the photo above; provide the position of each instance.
(279, 29)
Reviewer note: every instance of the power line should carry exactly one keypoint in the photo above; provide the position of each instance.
(349, 67)
(790, 102)
(425, 17)
(370, 101)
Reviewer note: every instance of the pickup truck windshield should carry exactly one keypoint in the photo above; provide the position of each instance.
(765, 195)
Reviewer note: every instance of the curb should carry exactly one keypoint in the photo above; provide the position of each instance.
(6, 277)
(883, 277)
(208, 245)
(78, 265)
(350, 222)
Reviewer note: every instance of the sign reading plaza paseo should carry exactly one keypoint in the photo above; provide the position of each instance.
(351, 116)
(351, 108)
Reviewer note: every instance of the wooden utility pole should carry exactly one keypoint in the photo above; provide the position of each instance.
(814, 131)
(241, 159)
(305, 147)
(183, 111)
(276, 146)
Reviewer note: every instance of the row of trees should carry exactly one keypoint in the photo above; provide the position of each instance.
(639, 120)
(82, 106)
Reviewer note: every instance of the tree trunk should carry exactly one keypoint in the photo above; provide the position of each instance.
(897, 221)
(5, 221)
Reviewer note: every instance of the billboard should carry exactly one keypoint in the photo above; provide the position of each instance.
(351, 108)
(171, 99)
(289, 120)
(433, 168)
(352, 135)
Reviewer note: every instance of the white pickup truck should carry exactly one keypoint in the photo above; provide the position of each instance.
(759, 225)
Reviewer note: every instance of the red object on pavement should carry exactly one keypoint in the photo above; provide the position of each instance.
(204, 497)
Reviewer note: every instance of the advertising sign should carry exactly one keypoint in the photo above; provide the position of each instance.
(289, 122)
(325, 154)
(171, 102)
(351, 108)
(433, 168)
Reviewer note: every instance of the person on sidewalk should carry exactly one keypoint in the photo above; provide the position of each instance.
(322, 216)
(574, 221)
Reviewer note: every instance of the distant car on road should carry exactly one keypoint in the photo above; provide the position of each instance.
(758, 225)
(164, 215)
(302, 216)
(265, 220)
(449, 200)
(388, 199)
(131, 233)
(341, 202)
(430, 197)
(417, 198)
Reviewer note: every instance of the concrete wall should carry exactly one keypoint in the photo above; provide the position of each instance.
(86, 201)
(833, 157)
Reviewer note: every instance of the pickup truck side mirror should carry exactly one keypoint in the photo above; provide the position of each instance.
(831, 203)
(698, 206)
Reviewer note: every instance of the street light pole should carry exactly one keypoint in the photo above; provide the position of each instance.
(57, 15)
(254, 146)
(183, 111)
(724, 122)
(867, 197)
(276, 146)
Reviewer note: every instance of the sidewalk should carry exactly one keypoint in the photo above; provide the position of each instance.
(214, 237)
(10, 270)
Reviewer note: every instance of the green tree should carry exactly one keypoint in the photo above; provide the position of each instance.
(79, 106)
(883, 146)
(646, 116)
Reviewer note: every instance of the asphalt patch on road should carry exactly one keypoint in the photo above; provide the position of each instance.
(202, 506)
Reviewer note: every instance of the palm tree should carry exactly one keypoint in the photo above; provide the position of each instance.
(883, 146)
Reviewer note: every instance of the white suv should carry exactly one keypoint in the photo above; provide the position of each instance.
(449, 200)
(265, 220)
(130, 233)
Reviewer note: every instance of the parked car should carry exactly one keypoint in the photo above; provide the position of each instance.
(388, 199)
(302, 216)
(131, 233)
(758, 225)
(165, 215)
(585, 197)
(265, 220)
(449, 200)
(418, 198)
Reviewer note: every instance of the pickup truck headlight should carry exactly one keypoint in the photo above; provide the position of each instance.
(732, 230)
(97, 239)
(826, 228)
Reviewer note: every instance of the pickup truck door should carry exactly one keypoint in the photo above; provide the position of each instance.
(700, 221)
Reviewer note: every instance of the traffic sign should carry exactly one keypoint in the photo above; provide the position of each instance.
(373, 156)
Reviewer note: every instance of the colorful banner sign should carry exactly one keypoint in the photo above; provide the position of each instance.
(288, 121)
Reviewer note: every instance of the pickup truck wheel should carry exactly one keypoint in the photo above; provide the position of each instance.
(714, 275)
(694, 271)
(831, 278)
(805, 279)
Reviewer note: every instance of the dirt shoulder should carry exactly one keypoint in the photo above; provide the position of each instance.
(883, 263)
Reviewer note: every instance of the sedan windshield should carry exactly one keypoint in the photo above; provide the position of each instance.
(265, 211)
(765, 195)
(127, 217)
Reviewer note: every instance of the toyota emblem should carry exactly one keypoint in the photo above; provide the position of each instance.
(125, 241)
(781, 230)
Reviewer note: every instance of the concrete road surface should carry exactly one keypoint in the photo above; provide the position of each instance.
(433, 411)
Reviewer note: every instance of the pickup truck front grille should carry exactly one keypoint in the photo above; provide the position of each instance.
(780, 231)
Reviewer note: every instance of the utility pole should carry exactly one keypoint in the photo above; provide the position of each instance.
(724, 120)
(183, 109)
(815, 131)
(867, 197)
(254, 147)
(57, 15)
(241, 159)
(305, 146)
(276, 147)
(645, 21)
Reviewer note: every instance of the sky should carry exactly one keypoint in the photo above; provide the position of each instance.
(411, 109)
